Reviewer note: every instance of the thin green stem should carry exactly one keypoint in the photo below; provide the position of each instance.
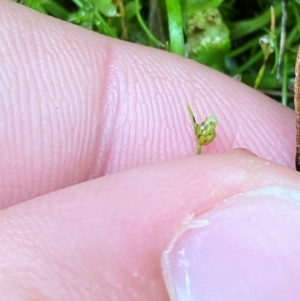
(242, 48)
(260, 74)
(175, 24)
(284, 80)
(144, 26)
(103, 26)
(249, 63)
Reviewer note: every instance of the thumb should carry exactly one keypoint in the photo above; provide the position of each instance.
(103, 239)
(244, 249)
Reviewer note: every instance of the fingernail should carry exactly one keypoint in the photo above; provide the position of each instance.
(247, 248)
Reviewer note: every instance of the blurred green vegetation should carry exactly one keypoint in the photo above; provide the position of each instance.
(241, 38)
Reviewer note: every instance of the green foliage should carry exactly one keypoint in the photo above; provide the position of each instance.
(207, 38)
(106, 7)
(228, 35)
(175, 23)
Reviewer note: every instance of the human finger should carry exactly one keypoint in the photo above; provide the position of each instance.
(103, 239)
(77, 105)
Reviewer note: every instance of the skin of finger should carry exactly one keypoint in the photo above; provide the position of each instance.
(102, 239)
(76, 105)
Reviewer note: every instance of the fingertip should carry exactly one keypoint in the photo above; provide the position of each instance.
(239, 250)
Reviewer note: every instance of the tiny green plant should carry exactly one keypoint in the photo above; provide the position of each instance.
(268, 46)
(205, 132)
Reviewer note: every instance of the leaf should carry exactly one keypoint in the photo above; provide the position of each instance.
(106, 7)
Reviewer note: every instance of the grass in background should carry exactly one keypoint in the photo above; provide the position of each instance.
(242, 38)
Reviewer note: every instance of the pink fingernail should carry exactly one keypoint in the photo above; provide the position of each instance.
(247, 248)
